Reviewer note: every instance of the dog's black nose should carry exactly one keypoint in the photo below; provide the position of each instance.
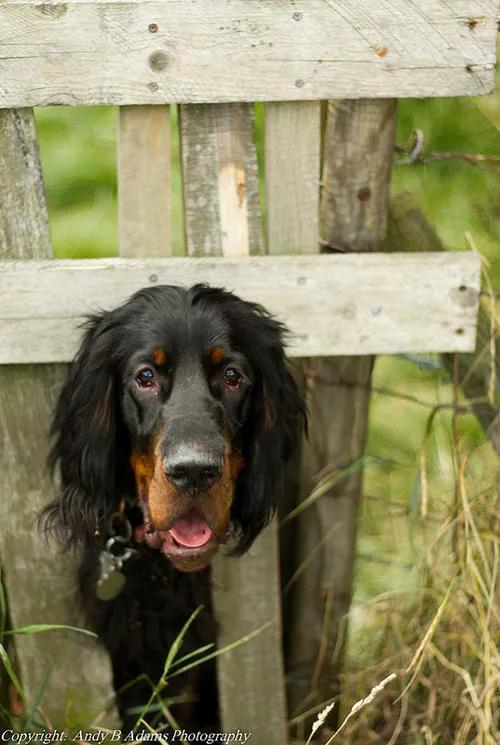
(192, 470)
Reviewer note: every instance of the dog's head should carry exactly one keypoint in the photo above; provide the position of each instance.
(182, 398)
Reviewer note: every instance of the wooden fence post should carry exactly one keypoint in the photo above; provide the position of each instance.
(222, 217)
(292, 163)
(292, 174)
(144, 181)
(357, 159)
(41, 583)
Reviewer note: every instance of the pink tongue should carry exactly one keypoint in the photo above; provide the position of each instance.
(191, 530)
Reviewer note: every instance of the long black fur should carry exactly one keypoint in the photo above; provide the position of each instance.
(92, 448)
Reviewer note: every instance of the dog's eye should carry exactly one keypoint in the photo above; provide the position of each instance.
(145, 378)
(232, 377)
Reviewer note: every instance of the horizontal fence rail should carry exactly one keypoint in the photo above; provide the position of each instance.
(342, 304)
(204, 51)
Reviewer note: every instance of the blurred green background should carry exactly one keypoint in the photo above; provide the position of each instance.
(79, 164)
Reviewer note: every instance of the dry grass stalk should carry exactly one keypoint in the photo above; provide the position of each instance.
(358, 705)
(320, 720)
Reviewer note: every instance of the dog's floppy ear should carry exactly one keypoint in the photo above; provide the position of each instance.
(85, 432)
(275, 423)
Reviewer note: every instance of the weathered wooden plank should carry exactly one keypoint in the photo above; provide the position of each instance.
(220, 180)
(358, 147)
(407, 303)
(116, 52)
(144, 181)
(41, 583)
(292, 168)
(222, 217)
(246, 594)
(292, 146)
(24, 223)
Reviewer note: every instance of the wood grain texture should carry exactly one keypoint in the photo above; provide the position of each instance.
(41, 583)
(292, 169)
(354, 202)
(220, 179)
(292, 163)
(222, 217)
(144, 181)
(358, 147)
(168, 51)
(246, 592)
(408, 302)
(24, 223)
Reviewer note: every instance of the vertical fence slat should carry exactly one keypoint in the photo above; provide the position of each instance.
(222, 217)
(41, 583)
(221, 186)
(358, 148)
(144, 181)
(292, 167)
(24, 222)
(292, 151)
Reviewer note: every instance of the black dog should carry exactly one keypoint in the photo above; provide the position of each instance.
(172, 430)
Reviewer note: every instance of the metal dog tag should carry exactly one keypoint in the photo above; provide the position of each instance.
(111, 580)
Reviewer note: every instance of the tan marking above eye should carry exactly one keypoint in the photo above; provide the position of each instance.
(217, 355)
(159, 356)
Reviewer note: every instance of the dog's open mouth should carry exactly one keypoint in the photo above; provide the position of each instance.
(190, 531)
(190, 538)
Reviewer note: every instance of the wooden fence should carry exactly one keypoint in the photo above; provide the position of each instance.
(211, 57)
